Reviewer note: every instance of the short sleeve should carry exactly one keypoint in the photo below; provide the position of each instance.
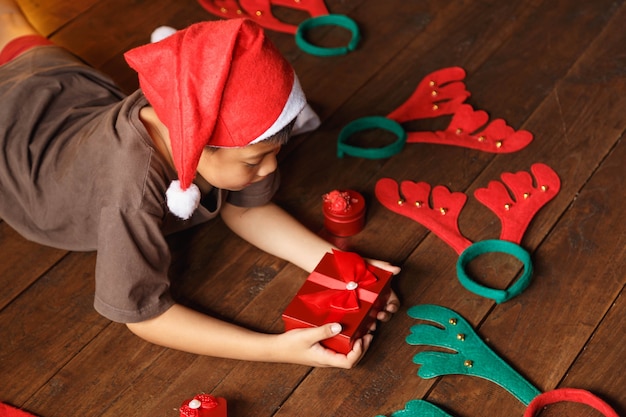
(132, 265)
(257, 194)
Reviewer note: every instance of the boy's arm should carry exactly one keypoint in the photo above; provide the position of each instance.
(185, 329)
(273, 230)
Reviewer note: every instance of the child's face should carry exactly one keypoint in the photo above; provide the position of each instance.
(235, 168)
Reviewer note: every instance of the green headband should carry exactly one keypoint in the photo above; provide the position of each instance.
(328, 20)
(489, 246)
(365, 123)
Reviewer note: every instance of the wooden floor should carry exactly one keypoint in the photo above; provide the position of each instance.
(554, 67)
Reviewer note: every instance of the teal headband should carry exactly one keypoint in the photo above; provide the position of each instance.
(328, 20)
(372, 122)
(489, 246)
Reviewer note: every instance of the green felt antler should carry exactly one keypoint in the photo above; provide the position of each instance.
(470, 356)
(420, 408)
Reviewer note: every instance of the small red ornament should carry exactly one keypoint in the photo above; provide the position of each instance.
(203, 405)
(344, 212)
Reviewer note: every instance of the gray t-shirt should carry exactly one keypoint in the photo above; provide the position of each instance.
(78, 171)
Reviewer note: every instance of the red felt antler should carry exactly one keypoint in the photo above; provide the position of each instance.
(441, 217)
(261, 11)
(226, 9)
(517, 210)
(443, 92)
(465, 130)
(439, 93)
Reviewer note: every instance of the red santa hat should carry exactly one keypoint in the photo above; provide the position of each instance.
(220, 83)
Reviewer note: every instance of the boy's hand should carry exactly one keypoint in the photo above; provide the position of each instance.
(393, 302)
(303, 346)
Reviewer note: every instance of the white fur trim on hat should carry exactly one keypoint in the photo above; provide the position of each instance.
(307, 121)
(294, 105)
(181, 202)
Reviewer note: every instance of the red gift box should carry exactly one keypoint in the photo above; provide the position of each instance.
(203, 405)
(343, 288)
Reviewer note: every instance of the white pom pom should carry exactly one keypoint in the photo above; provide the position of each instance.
(181, 202)
(161, 33)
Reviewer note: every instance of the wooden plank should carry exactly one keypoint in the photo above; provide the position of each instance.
(45, 326)
(168, 375)
(432, 264)
(578, 277)
(51, 15)
(516, 55)
(251, 388)
(595, 369)
(234, 380)
(190, 12)
(580, 122)
(133, 25)
(418, 161)
(22, 263)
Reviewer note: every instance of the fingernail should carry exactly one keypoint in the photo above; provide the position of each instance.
(335, 328)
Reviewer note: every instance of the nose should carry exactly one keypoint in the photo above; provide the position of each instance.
(268, 165)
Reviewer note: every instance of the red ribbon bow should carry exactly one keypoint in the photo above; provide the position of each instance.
(194, 407)
(343, 294)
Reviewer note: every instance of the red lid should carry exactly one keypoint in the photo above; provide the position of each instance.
(343, 205)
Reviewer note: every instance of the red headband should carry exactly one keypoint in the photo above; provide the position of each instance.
(568, 394)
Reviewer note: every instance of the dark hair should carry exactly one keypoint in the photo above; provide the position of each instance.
(279, 138)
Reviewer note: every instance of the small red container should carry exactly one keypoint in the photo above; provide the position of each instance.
(203, 405)
(344, 212)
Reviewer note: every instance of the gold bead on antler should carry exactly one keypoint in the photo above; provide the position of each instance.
(460, 337)
(453, 321)
(507, 207)
(401, 202)
(468, 363)
(443, 211)
(418, 204)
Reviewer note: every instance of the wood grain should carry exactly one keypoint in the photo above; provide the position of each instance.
(555, 68)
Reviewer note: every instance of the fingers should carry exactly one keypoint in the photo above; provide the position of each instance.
(358, 351)
(392, 307)
(329, 357)
(395, 270)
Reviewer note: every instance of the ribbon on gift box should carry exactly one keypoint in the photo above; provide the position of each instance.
(344, 292)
